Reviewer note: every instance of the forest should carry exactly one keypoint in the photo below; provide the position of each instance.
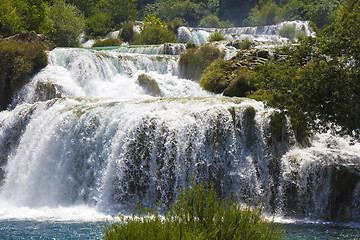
(62, 21)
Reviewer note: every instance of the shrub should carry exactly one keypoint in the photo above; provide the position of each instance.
(212, 21)
(19, 60)
(154, 31)
(108, 42)
(216, 36)
(197, 214)
(213, 78)
(98, 24)
(288, 31)
(238, 84)
(220, 77)
(67, 21)
(175, 24)
(127, 31)
(195, 60)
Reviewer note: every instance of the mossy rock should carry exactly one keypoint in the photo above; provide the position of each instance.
(150, 85)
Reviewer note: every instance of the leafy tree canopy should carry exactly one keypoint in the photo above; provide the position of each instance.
(319, 84)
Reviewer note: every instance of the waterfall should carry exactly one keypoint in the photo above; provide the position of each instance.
(83, 132)
(265, 34)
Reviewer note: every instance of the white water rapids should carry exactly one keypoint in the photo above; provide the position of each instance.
(84, 140)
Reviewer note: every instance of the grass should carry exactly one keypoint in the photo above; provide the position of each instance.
(197, 214)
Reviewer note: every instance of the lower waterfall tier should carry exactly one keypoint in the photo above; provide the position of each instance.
(111, 154)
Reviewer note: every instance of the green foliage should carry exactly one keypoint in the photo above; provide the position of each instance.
(19, 60)
(267, 14)
(197, 214)
(107, 15)
(195, 60)
(10, 21)
(98, 24)
(127, 31)
(16, 15)
(318, 85)
(189, 11)
(67, 21)
(154, 31)
(107, 42)
(288, 31)
(217, 36)
(175, 24)
(221, 77)
(213, 78)
(212, 21)
(322, 12)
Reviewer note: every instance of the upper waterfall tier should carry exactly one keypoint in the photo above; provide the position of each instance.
(268, 33)
(107, 73)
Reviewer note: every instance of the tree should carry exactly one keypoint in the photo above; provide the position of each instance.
(154, 31)
(67, 21)
(319, 85)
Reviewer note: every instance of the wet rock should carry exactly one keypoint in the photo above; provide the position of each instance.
(150, 85)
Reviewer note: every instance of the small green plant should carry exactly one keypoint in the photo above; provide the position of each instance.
(197, 214)
(195, 60)
(217, 36)
(108, 42)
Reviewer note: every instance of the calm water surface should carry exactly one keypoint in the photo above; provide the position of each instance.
(12, 229)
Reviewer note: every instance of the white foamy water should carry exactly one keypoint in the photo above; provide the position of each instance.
(84, 140)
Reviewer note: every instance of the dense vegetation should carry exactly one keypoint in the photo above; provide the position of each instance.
(63, 20)
(197, 214)
(18, 61)
(318, 85)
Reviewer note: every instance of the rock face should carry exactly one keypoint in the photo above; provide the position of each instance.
(149, 84)
(32, 36)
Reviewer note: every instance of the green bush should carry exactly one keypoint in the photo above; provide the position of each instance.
(213, 78)
(127, 31)
(197, 214)
(195, 60)
(267, 14)
(175, 24)
(108, 42)
(216, 36)
(220, 77)
(98, 24)
(288, 31)
(19, 60)
(212, 21)
(67, 21)
(154, 31)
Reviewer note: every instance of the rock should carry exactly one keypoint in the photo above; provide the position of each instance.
(32, 36)
(149, 84)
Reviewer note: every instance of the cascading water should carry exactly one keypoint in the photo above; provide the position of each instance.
(265, 34)
(84, 133)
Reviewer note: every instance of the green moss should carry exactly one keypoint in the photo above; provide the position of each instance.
(149, 84)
